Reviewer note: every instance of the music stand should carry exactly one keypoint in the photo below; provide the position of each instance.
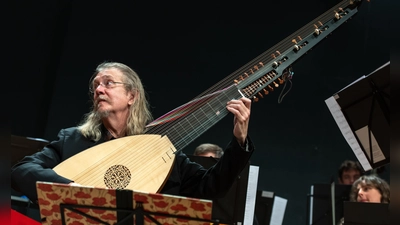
(264, 205)
(320, 205)
(357, 213)
(361, 111)
(229, 209)
(62, 204)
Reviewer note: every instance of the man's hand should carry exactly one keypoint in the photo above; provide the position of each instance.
(241, 109)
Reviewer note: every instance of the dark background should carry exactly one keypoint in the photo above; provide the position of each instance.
(180, 49)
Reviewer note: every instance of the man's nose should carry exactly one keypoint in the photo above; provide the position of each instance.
(100, 88)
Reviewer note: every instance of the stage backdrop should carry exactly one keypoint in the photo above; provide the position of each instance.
(180, 49)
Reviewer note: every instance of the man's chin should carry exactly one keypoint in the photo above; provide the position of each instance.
(103, 113)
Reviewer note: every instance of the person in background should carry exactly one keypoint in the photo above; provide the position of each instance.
(349, 171)
(208, 149)
(371, 189)
(120, 109)
(215, 151)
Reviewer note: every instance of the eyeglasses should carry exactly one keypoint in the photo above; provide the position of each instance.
(107, 84)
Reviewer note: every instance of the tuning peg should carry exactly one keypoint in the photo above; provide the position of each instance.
(275, 84)
(255, 99)
(259, 94)
(270, 88)
(317, 31)
(265, 91)
(337, 16)
(342, 11)
(280, 81)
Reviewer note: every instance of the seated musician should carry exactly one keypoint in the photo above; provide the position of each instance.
(120, 109)
(370, 189)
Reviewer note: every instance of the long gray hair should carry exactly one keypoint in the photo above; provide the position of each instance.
(139, 115)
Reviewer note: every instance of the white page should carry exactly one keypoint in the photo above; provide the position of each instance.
(348, 134)
(311, 204)
(278, 210)
(251, 195)
(363, 136)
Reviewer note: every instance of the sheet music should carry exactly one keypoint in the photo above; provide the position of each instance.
(333, 202)
(311, 204)
(348, 134)
(278, 210)
(251, 195)
(363, 136)
(267, 194)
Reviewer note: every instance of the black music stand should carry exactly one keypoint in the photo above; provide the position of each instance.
(125, 216)
(229, 209)
(62, 204)
(365, 106)
(264, 205)
(320, 207)
(363, 213)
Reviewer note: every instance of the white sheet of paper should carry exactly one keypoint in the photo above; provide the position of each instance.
(278, 210)
(348, 134)
(363, 136)
(251, 195)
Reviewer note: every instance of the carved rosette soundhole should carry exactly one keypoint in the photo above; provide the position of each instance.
(117, 177)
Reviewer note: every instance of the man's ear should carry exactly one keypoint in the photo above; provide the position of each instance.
(132, 97)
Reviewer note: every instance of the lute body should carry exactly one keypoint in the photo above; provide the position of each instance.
(140, 162)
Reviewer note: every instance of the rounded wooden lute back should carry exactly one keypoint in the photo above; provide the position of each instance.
(139, 162)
